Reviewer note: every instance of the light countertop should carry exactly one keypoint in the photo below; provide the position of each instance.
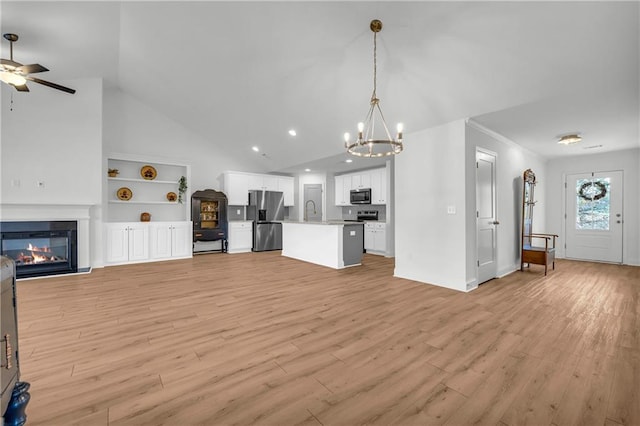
(326, 222)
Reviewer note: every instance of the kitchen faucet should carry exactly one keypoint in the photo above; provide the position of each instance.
(306, 208)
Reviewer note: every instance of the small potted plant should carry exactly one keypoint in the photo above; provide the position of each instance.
(182, 188)
(113, 172)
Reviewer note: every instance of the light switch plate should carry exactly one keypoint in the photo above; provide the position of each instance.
(451, 209)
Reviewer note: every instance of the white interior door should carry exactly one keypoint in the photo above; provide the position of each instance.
(486, 216)
(312, 202)
(593, 229)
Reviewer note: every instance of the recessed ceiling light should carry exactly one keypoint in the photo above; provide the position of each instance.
(348, 160)
(307, 170)
(255, 148)
(292, 132)
(570, 139)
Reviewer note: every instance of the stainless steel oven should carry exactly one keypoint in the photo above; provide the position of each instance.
(360, 196)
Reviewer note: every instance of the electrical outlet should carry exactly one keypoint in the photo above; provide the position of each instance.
(238, 211)
(15, 182)
(349, 211)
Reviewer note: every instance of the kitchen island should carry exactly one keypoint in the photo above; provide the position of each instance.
(336, 244)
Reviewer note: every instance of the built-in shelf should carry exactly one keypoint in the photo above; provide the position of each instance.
(143, 202)
(149, 196)
(171, 182)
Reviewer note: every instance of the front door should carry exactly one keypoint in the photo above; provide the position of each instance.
(594, 216)
(486, 216)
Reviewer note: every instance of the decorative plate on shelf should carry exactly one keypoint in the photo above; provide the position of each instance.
(172, 196)
(148, 172)
(124, 194)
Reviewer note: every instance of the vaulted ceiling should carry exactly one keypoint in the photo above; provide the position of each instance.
(244, 73)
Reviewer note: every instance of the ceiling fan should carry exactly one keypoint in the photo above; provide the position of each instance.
(16, 74)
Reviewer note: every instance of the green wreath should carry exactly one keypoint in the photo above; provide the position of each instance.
(601, 188)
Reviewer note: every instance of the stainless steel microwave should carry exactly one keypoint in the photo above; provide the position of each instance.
(360, 196)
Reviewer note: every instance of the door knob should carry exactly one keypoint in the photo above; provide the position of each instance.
(495, 222)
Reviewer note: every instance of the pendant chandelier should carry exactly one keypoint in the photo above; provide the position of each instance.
(368, 144)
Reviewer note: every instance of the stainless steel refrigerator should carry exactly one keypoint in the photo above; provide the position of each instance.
(266, 209)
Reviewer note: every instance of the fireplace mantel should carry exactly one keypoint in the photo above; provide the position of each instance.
(22, 211)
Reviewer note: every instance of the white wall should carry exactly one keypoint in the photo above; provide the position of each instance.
(132, 127)
(390, 208)
(429, 176)
(54, 138)
(511, 161)
(628, 161)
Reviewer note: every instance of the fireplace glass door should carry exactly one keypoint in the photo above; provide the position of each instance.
(38, 252)
(37, 249)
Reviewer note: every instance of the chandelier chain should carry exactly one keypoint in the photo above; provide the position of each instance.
(375, 67)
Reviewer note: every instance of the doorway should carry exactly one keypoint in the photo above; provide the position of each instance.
(593, 219)
(486, 215)
(312, 206)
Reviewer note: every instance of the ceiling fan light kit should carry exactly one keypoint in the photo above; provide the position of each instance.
(367, 144)
(15, 74)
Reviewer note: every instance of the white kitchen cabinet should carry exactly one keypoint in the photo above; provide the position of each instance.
(369, 236)
(170, 240)
(361, 180)
(378, 186)
(375, 237)
(263, 182)
(285, 185)
(127, 242)
(342, 189)
(236, 187)
(240, 236)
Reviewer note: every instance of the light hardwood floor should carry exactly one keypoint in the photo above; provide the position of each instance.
(257, 338)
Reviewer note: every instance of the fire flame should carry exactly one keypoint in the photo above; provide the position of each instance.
(45, 249)
(37, 255)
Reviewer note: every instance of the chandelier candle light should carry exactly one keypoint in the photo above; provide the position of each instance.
(367, 145)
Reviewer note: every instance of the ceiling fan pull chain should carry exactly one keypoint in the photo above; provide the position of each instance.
(11, 104)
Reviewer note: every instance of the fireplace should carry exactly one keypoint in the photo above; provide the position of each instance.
(41, 248)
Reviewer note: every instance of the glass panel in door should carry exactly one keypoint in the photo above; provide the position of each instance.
(209, 214)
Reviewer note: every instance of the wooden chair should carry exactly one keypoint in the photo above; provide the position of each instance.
(544, 252)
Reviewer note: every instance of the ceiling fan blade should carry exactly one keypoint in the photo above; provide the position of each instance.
(10, 63)
(22, 88)
(32, 68)
(50, 84)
